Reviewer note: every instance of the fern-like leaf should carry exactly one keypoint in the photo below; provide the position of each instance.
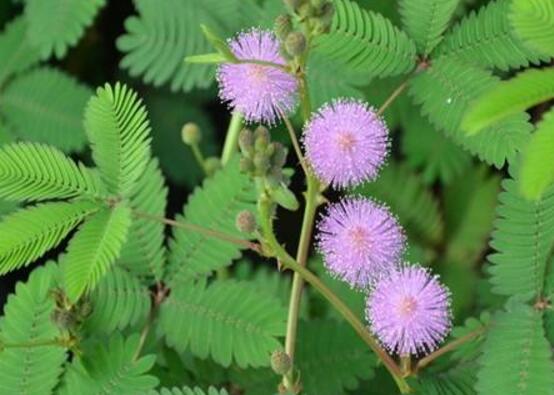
(426, 20)
(486, 38)
(94, 248)
(527, 89)
(214, 206)
(445, 91)
(46, 106)
(517, 358)
(366, 42)
(331, 358)
(537, 169)
(35, 172)
(54, 35)
(457, 380)
(165, 32)
(227, 321)
(28, 233)
(408, 197)
(118, 129)
(144, 254)
(118, 301)
(189, 391)
(17, 53)
(26, 320)
(533, 21)
(523, 238)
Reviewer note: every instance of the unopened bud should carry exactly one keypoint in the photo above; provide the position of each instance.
(246, 165)
(283, 26)
(246, 141)
(245, 222)
(295, 43)
(212, 165)
(294, 4)
(279, 157)
(262, 137)
(261, 164)
(191, 134)
(280, 362)
(64, 319)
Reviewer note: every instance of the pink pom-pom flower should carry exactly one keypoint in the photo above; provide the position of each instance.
(259, 92)
(360, 241)
(409, 311)
(346, 143)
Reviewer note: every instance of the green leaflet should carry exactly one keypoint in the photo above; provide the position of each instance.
(527, 89)
(366, 42)
(457, 380)
(29, 233)
(227, 321)
(35, 172)
(331, 358)
(119, 300)
(26, 320)
(426, 20)
(485, 38)
(117, 127)
(110, 368)
(516, 356)
(94, 248)
(46, 106)
(445, 91)
(17, 53)
(188, 391)
(157, 41)
(537, 170)
(523, 238)
(53, 36)
(533, 21)
(214, 206)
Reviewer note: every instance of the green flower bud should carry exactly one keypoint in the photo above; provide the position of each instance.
(306, 11)
(261, 164)
(246, 165)
(280, 362)
(212, 164)
(295, 43)
(279, 157)
(294, 4)
(246, 141)
(283, 26)
(191, 134)
(262, 139)
(245, 222)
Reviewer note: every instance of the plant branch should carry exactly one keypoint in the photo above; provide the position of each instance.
(295, 143)
(232, 138)
(394, 95)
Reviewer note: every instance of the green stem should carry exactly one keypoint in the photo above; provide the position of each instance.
(232, 138)
(199, 157)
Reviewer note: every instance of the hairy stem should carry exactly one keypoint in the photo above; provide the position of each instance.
(231, 139)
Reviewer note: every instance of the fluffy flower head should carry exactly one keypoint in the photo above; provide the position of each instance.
(409, 311)
(346, 143)
(259, 92)
(360, 241)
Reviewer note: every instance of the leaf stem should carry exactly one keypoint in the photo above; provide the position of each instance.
(232, 138)
(394, 95)
(37, 343)
(295, 143)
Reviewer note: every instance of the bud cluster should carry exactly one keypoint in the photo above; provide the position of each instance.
(69, 316)
(317, 13)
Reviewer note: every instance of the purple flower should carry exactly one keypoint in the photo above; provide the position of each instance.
(360, 241)
(259, 92)
(346, 143)
(409, 311)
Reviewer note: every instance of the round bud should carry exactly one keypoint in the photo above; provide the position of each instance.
(212, 165)
(283, 26)
(280, 362)
(245, 222)
(262, 137)
(279, 157)
(190, 133)
(261, 164)
(246, 165)
(295, 43)
(246, 141)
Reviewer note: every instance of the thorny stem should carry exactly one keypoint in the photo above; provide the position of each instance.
(232, 137)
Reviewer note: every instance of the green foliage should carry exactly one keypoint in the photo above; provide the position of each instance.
(533, 21)
(110, 368)
(17, 53)
(46, 106)
(144, 253)
(426, 20)
(446, 89)
(158, 39)
(214, 206)
(516, 356)
(331, 358)
(523, 240)
(35, 172)
(119, 300)
(408, 198)
(94, 248)
(26, 320)
(188, 391)
(485, 38)
(227, 321)
(118, 130)
(458, 380)
(54, 35)
(28, 233)
(527, 89)
(366, 42)
(537, 171)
